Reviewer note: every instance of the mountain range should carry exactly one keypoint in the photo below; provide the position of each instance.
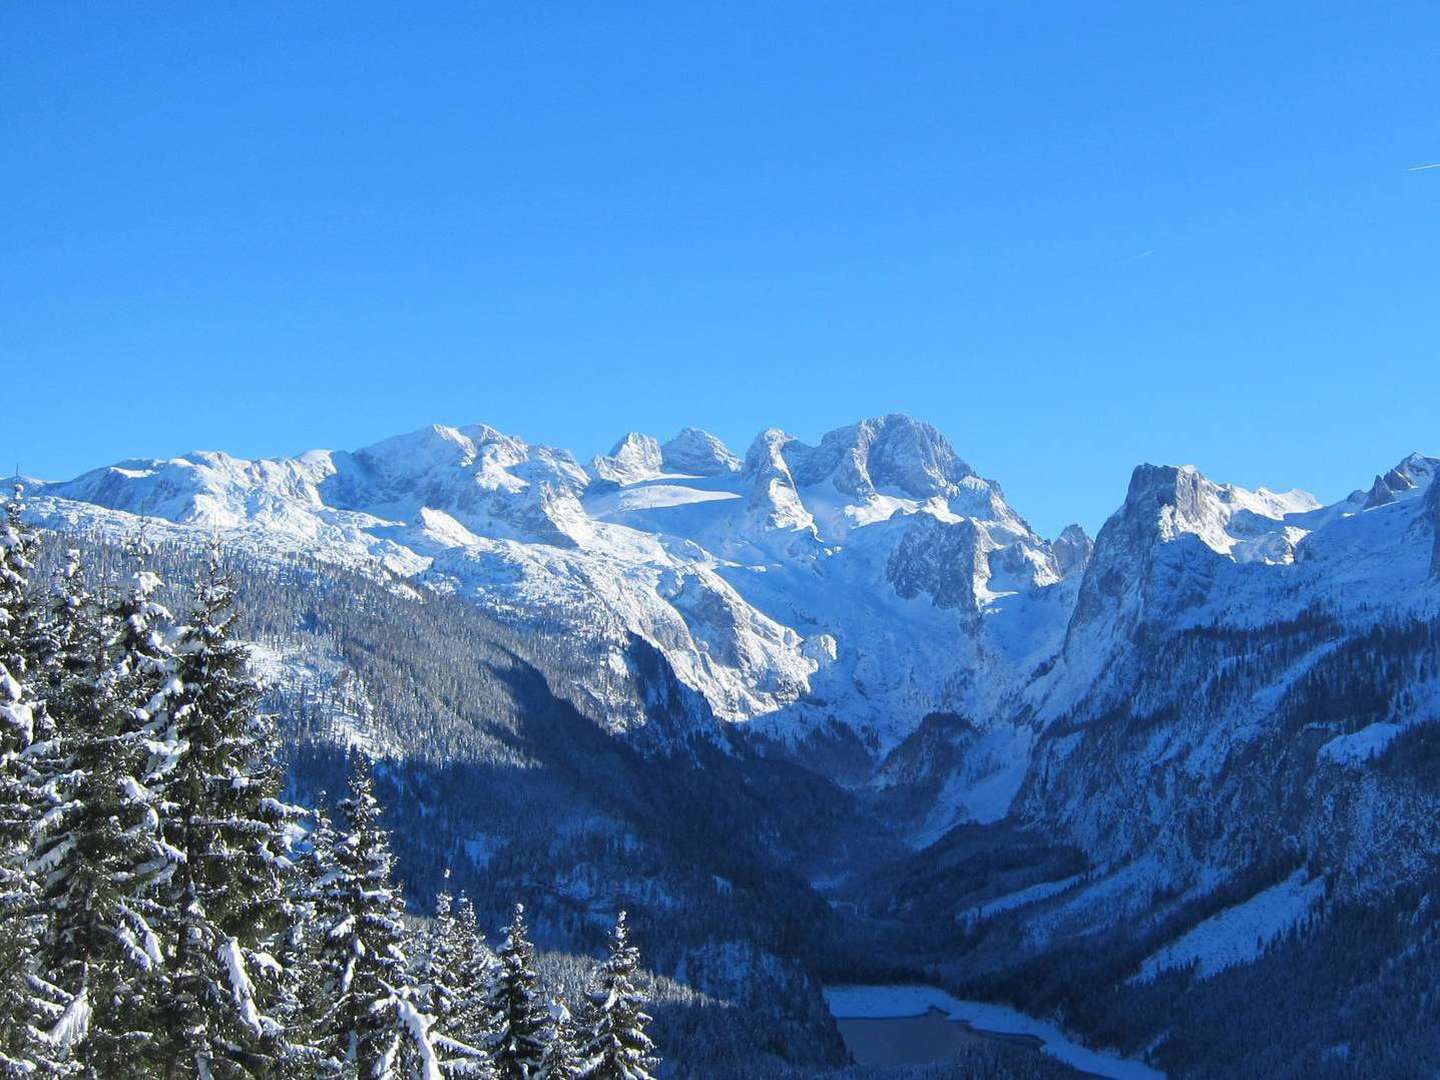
(1207, 729)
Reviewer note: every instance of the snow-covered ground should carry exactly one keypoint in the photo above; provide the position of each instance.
(1239, 934)
(879, 1002)
(1103, 901)
(1030, 895)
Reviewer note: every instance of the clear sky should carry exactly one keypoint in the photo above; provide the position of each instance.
(1073, 237)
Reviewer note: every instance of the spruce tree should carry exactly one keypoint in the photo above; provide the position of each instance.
(68, 662)
(20, 713)
(302, 952)
(362, 955)
(523, 1028)
(101, 855)
(57, 637)
(29, 1004)
(437, 971)
(616, 1046)
(226, 901)
(474, 1020)
(20, 608)
(451, 981)
(562, 1059)
(69, 646)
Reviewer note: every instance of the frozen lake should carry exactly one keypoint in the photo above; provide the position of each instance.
(914, 1025)
(911, 1040)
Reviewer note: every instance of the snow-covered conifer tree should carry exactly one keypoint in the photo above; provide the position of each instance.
(362, 956)
(29, 1004)
(562, 1058)
(437, 968)
(20, 713)
(20, 609)
(616, 1046)
(302, 1003)
(225, 904)
(451, 981)
(101, 856)
(473, 1020)
(523, 1027)
(69, 636)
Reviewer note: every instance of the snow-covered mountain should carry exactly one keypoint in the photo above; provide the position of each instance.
(1183, 552)
(849, 680)
(855, 586)
(846, 579)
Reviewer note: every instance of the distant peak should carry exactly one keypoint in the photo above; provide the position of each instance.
(1418, 468)
(483, 433)
(698, 453)
(1072, 548)
(1414, 473)
(766, 450)
(893, 451)
(634, 443)
(1157, 480)
(635, 457)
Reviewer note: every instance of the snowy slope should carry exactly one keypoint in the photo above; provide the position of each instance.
(1238, 934)
(1237, 669)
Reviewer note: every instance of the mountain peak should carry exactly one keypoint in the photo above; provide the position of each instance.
(698, 453)
(774, 503)
(1411, 475)
(634, 458)
(894, 452)
(1072, 549)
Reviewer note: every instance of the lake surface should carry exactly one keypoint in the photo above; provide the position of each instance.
(913, 1040)
(917, 1025)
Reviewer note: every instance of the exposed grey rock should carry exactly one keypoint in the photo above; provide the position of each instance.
(1432, 514)
(1072, 550)
(939, 559)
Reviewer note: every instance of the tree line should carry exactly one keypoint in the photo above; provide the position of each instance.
(165, 913)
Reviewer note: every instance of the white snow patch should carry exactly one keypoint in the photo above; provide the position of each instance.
(1357, 748)
(1030, 895)
(241, 989)
(1238, 935)
(1106, 901)
(74, 1023)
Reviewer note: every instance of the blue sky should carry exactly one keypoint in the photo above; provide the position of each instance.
(1074, 237)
